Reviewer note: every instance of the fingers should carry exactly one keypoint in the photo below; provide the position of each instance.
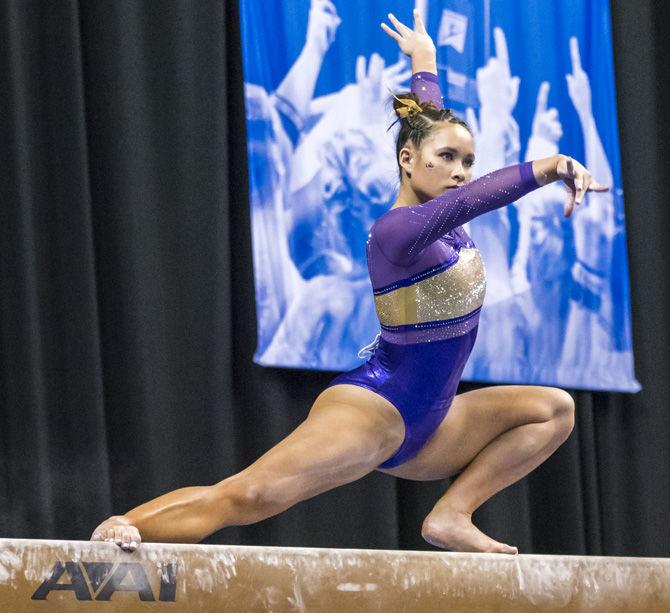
(597, 187)
(542, 98)
(326, 6)
(392, 33)
(418, 22)
(570, 186)
(397, 80)
(512, 133)
(514, 89)
(580, 179)
(329, 7)
(552, 114)
(579, 189)
(360, 69)
(375, 71)
(401, 27)
(501, 50)
(397, 68)
(397, 74)
(376, 62)
(574, 55)
(569, 205)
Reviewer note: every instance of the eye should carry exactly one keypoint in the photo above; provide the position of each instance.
(447, 153)
(469, 162)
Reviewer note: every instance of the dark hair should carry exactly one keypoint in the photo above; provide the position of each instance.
(417, 126)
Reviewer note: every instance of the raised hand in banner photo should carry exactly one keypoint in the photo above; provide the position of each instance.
(322, 24)
(546, 129)
(495, 84)
(396, 75)
(498, 91)
(538, 213)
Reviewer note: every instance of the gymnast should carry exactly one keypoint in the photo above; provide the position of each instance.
(399, 412)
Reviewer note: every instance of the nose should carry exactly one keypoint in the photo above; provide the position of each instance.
(458, 173)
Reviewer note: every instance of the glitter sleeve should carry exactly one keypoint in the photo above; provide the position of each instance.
(402, 233)
(426, 86)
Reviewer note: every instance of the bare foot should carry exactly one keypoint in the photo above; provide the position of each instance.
(455, 531)
(120, 530)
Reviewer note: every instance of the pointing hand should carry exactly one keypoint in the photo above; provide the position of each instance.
(577, 180)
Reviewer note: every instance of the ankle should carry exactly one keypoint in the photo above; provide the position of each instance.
(449, 507)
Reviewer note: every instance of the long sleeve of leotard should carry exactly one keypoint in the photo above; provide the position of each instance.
(426, 86)
(402, 233)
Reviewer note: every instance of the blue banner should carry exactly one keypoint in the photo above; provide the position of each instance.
(531, 79)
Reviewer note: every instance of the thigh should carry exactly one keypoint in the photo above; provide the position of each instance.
(474, 419)
(349, 431)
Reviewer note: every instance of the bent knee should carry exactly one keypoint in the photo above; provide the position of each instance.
(556, 404)
(562, 411)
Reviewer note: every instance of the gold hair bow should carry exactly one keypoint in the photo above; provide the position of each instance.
(409, 107)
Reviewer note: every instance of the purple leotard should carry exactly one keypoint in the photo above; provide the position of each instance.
(429, 281)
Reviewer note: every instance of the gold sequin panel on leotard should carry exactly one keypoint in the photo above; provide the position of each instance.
(455, 292)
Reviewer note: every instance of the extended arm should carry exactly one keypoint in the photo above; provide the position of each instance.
(404, 232)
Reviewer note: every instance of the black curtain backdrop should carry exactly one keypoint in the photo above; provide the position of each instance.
(127, 304)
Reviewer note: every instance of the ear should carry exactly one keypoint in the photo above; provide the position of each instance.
(406, 160)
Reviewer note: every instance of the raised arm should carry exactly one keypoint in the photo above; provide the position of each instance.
(426, 86)
(419, 47)
(403, 232)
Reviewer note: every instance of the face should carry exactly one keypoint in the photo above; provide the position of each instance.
(443, 162)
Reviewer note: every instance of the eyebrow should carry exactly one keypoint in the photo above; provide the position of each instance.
(452, 150)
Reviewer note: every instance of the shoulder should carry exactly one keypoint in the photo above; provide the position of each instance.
(390, 221)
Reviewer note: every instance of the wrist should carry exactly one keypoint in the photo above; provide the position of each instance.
(424, 61)
(546, 169)
(312, 47)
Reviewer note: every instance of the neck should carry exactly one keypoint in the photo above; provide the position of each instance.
(406, 196)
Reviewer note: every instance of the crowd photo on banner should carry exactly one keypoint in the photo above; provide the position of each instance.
(321, 159)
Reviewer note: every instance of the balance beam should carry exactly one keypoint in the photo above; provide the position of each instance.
(41, 575)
